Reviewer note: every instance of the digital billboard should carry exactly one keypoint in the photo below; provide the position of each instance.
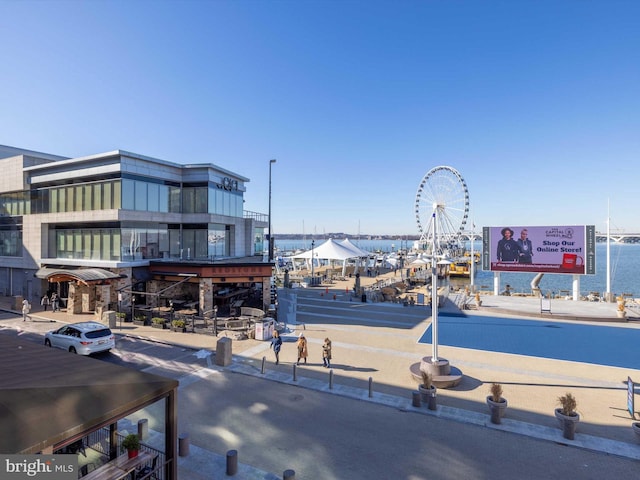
(567, 249)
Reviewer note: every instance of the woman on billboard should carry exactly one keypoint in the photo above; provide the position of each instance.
(526, 247)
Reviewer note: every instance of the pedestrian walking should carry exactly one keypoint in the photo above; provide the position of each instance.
(55, 302)
(302, 349)
(26, 308)
(276, 343)
(326, 353)
(45, 302)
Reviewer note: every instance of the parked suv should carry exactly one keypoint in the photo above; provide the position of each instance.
(84, 338)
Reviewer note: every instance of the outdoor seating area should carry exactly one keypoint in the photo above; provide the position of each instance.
(94, 461)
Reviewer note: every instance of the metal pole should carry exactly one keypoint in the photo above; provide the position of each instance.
(434, 294)
(312, 245)
(271, 162)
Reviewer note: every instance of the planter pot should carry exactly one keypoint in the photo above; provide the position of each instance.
(179, 329)
(636, 429)
(161, 326)
(568, 423)
(428, 396)
(132, 453)
(497, 409)
(621, 314)
(140, 323)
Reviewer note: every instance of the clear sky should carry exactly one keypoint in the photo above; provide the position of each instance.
(535, 103)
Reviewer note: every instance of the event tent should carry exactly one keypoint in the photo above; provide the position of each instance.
(331, 251)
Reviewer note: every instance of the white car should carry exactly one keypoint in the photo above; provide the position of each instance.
(84, 338)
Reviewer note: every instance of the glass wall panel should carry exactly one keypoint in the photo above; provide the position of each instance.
(97, 196)
(140, 195)
(128, 192)
(153, 203)
(117, 195)
(107, 195)
(200, 200)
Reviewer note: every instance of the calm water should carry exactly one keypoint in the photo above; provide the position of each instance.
(625, 268)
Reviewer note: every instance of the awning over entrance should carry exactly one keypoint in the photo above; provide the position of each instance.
(84, 275)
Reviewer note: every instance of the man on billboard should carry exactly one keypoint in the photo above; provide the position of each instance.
(508, 249)
(526, 248)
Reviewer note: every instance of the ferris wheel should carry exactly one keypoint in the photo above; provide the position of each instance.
(443, 193)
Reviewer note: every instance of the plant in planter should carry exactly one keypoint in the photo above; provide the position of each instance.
(497, 403)
(567, 415)
(428, 390)
(158, 322)
(140, 320)
(121, 316)
(131, 444)
(179, 326)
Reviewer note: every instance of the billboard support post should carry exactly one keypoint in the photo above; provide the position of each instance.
(496, 283)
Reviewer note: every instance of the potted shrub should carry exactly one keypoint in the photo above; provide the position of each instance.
(179, 325)
(121, 316)
(428, 390)
(497, 403)
(140, 320)
(158, 322)
(567, 415)
(131, 444)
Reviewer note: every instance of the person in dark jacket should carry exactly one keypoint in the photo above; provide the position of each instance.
(326, 353)
(276, 343)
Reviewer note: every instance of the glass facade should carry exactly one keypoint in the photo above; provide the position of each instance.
(11, 236)
(118, 241)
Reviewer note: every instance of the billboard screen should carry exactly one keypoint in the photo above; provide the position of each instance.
(550, 249)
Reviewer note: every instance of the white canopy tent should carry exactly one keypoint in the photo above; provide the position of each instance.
(330, 251)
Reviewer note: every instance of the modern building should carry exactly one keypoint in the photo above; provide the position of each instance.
(101, 228)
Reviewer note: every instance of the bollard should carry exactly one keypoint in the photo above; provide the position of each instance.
(264, 359)
(370, 387)
(232, 462)
(183, 445)
(289, 475)
(416, 401)
(295, 373)
(331, 379)
(143, 428)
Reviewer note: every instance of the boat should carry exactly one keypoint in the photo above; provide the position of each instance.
(461, 266)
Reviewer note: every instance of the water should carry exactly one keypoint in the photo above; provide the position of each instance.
(625, 266)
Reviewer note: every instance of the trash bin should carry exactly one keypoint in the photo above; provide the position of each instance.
(264, 328)
(364, 298)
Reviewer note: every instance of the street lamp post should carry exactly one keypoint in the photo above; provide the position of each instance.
(271, 162)
(312, 245)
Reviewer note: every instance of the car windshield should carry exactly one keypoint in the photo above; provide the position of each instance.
(105, 332)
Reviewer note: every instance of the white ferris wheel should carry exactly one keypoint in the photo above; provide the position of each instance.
(442, 201)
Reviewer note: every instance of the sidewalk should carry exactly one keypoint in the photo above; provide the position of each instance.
(384, 353)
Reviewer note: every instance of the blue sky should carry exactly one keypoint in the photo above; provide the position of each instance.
(535, 103)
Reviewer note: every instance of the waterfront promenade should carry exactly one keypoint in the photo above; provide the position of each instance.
(380, 341)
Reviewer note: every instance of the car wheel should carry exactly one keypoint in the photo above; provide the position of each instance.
(72, 349)
(47, 342)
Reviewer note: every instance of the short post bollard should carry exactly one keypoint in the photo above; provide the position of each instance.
(232, 462)
(416, 401)
(143, 428)
(295, 373)
(370, 387)
(183, 445)
(264, 359)
(331, 379)
(289, 475)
